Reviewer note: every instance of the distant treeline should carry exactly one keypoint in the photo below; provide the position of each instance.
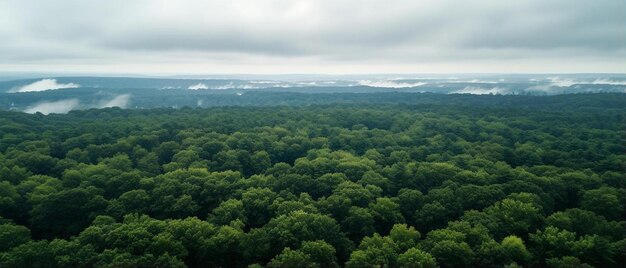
(151, 98)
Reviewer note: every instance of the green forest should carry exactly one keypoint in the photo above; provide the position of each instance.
(464, 184)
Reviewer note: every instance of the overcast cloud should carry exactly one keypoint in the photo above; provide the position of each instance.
(318, 36)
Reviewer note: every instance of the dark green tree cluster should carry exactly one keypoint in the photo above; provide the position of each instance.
(315, 186)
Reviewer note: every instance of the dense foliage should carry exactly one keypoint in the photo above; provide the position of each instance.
(316, 186)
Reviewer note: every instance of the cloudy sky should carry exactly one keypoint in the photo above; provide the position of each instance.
(312, 36)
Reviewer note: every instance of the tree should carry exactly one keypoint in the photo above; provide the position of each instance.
(256, 204)
(453, 254)
(182, 159)
(286, 207)
(409, 200)
(295, 183)
(566, 262)
(293, 229)
(134, 201)
(149, 164)
(166, 151)
(12, 235)
(114, 258)
(320, 252)
(358, 223)
(36, 162)
(415, 258)
(604, 201)
(260, 162)
(429, 175)
(515, 250)
(194, 234)
(432, 216)
(291, 258)
(404, 236)
(583, 222)
(9, 199)
(31, 254)
(66, 213)
(374, 251)
(386, 213)
(553, 242)
(228, 211)
(373, 178)
(327, 183)
(479, 197)
(515, 217)
(223, 248)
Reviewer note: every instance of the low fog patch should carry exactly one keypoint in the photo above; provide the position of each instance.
(198, 86)
(603, 81)
(43, 85)
(389, 84)
(119, 101)
(559, 82)
(56, 107)
(480, 91)
(475, 81)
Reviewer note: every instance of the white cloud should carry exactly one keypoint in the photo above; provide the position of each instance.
(198, 86)
(389, 83)
(43, 85)
(57, 107)
(480, 91)
(314, 36)
(119, 101)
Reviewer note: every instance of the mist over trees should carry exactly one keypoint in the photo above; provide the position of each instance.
(486, 181)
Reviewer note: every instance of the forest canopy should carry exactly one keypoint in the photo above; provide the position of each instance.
(354, 185)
